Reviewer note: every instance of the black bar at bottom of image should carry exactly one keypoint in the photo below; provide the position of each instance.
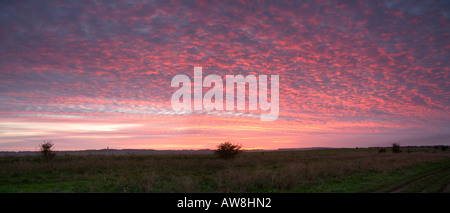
(266, 202)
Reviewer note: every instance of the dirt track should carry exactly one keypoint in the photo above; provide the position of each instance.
(436, 180)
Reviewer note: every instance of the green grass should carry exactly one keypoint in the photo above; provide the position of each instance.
(430, 177)
(344, 170)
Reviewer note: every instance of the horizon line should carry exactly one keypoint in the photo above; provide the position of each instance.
(244, 149)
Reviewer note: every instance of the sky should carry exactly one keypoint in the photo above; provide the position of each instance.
(97, 74)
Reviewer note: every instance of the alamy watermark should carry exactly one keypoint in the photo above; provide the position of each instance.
(204, 102)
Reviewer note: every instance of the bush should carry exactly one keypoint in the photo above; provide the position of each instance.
(47, 150)
(443, 148)
(382, 150)
(396, 148)
(227, 150)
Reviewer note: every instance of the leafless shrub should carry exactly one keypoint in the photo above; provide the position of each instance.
(396, 148)
(227, 150)
(47, 150)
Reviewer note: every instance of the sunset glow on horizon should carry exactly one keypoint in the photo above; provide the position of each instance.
(97, 74)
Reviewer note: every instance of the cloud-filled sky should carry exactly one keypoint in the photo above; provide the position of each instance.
(97, 74)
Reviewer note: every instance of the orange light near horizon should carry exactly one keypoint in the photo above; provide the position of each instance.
(253, 148)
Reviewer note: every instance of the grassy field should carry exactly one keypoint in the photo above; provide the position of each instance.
(335, 170)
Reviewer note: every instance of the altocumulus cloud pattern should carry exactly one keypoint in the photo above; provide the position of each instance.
(91, 74)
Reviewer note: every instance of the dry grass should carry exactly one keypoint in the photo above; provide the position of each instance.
(250, 172)
(286, 173)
